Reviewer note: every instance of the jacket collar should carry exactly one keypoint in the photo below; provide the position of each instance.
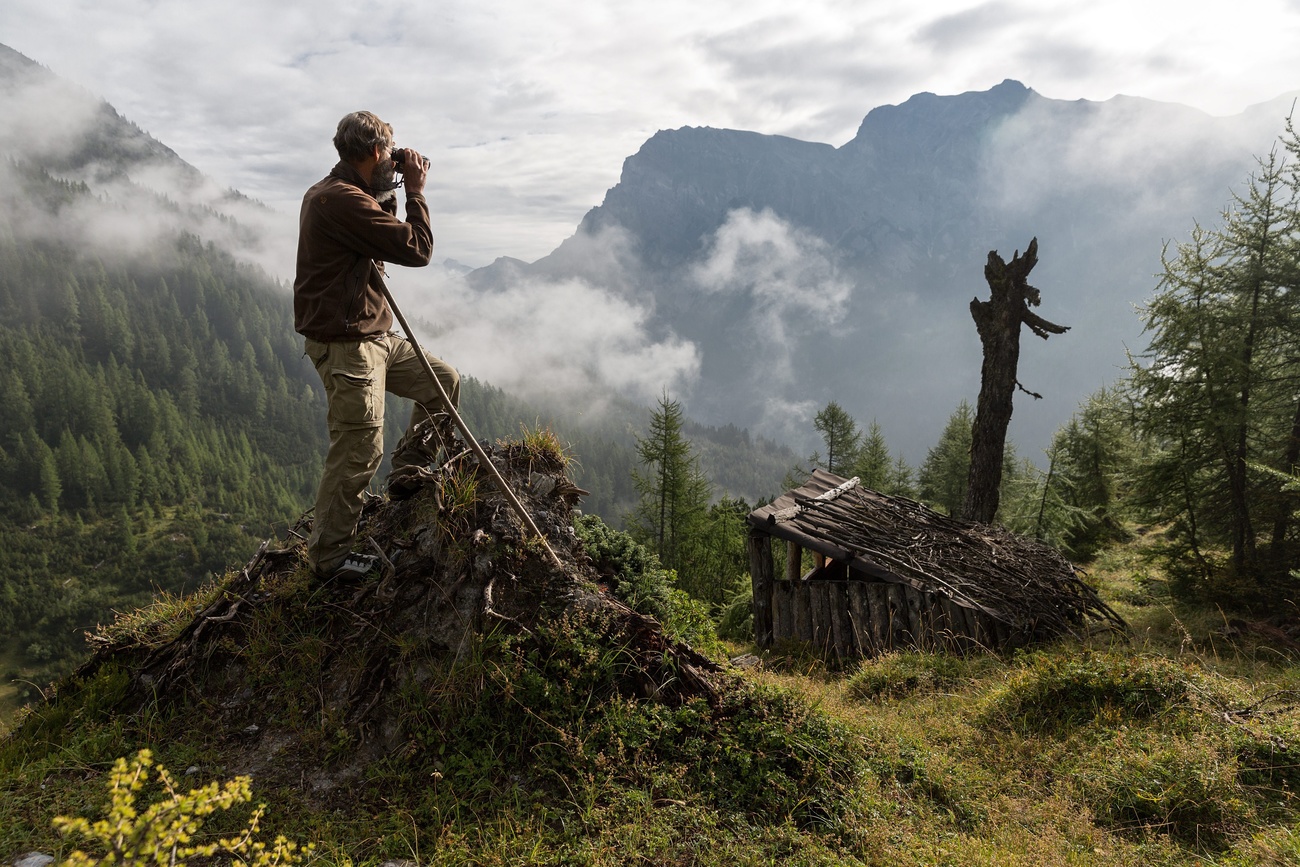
(344, 172)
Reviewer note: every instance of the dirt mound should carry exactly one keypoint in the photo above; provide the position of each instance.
(313, 683)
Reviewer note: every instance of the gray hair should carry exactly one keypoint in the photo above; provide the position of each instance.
(358, 134)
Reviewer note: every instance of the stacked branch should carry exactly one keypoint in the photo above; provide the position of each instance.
(1023, 583)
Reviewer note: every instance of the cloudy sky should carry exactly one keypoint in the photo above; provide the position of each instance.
(528, 109)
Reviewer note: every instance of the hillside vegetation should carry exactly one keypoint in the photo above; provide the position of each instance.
(161, 419)
(555, 738)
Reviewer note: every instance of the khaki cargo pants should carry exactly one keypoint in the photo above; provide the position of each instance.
(356, 374)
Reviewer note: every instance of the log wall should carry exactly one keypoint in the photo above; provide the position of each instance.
(853, 619)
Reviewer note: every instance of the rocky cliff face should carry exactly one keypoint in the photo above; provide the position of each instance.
(806, 273)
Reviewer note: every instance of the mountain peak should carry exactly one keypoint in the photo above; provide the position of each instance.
(943, 114)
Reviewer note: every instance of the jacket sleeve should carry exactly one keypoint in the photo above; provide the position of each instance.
(366, 228)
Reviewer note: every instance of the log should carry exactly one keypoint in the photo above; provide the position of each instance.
(793, 562)
(1001, 635)
(881, 631)
(956, 639)
(802, 602)
(929, 632)
(860, 609)
(841, 627)
(972, 621)
(778, 599)
(940, 625)
(793, 511)
(821, 610)
(761, 581)
(900, 631)
(915, 620)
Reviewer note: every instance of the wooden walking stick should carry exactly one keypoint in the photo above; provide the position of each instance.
(483, 458)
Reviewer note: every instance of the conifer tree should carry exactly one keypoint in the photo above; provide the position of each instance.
(874, 465)
(841, 436)
(1217, 385)
(946, 469)
(674, 493)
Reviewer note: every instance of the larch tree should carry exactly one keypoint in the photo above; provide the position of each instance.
(1217, 386)
(946, 469)
(840, 434)
(874, 465)
(674, 493)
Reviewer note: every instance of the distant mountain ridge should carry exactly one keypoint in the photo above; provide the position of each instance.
(904, 215)
(109, 140)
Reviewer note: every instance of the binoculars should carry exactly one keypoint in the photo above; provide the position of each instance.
(399, 158)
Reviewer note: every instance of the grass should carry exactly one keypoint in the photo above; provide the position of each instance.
(1176, 746)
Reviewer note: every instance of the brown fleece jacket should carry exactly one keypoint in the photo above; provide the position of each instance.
(344, 236)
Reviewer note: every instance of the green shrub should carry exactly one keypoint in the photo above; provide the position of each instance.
(898, 674)
(737, 620)
(1054, 692)
(1186, 787)
(556, 716)
(636, 578)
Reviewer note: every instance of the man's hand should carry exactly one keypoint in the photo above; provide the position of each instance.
(414, 172)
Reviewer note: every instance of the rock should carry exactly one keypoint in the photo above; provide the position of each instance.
(34, 859)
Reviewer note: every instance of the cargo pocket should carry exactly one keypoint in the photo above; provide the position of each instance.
(355, 401)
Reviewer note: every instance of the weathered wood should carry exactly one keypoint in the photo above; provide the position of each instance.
(793, 561)
(955, 637)
(900, 631)
(915, 621)
(860, 609)
(761, 580)
(931, 622)
(978, 623)
(835, 493)
(780, 610)
(1002, 635)
(841, 628)
(998, 322)
(858, 615)
(822, 635)
(939, 623)
(1012, 579)
(878, 599)
(802, 602)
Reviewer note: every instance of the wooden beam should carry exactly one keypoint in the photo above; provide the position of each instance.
(833, 494)
(793, 561)
(761, 579)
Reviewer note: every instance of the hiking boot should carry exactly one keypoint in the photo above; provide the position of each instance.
(405, 487)
(353, 566)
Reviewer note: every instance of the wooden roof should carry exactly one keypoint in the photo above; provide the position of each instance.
(1024, 583)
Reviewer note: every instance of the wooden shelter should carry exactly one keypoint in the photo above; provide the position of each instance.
(888, 573)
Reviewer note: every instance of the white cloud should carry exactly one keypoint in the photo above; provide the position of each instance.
(1111, 145)
(566, 339)
(528, 109)
(159, 197)
(787, 277)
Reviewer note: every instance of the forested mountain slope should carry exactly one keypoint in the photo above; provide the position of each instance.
(160, 416)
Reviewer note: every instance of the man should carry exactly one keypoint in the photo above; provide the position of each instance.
(347, 229)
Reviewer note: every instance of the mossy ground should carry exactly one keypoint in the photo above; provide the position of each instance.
(1174, 746)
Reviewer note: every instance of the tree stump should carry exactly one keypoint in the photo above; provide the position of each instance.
(998, 321)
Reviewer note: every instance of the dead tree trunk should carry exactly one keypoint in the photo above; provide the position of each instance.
(998, 321)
